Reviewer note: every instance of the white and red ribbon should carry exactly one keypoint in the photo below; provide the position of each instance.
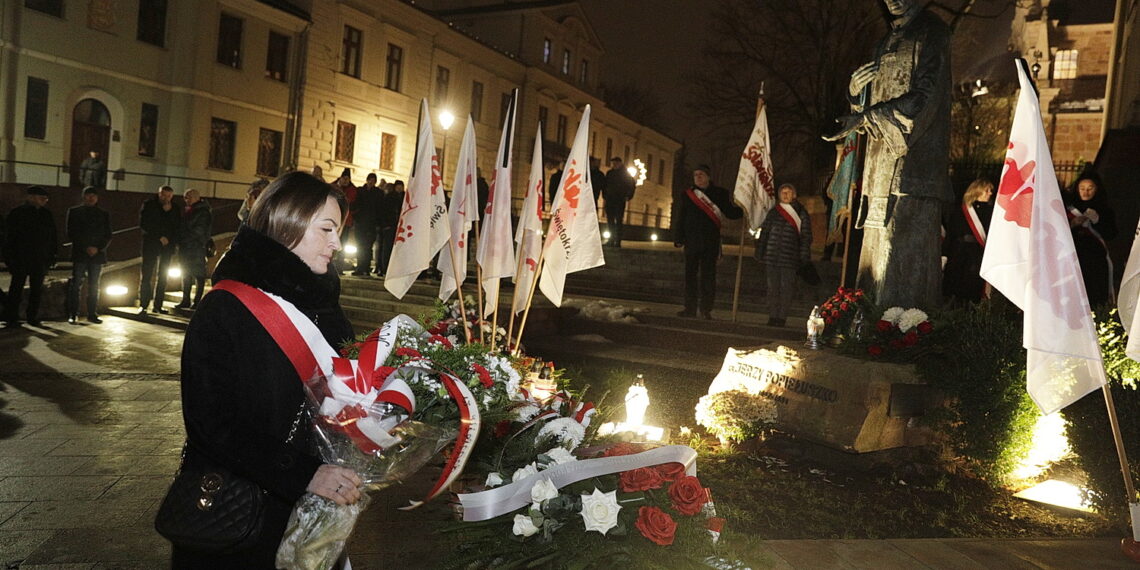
(706, 205)
(789, 214)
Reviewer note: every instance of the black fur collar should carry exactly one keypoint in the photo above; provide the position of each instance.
(257, 260)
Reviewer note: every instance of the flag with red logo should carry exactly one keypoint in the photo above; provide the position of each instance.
(755, 191)
(573, 242)
(1030, 258)
(423, 228)
(528, 235)
(462, 214)
(1129, 298)
(496, 255)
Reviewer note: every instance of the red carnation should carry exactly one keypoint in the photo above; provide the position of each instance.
(441, 340)
(687, 495)
(381, 374)
(407, 351)
(911, 338)
(640, 479)
(484, 376)
(875, 350)
(440, 327)
(925, 327)
(656, 525)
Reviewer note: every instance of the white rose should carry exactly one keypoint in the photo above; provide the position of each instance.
(558, 456)
(599, 511)
(524, 472)
(494, 479)
(524, 526)
(543, 490)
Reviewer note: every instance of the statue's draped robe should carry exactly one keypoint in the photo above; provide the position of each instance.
(906, 175)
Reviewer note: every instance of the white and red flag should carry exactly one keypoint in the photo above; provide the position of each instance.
(1030, 258)
(1129, 298)
(573, 242)
(462, 214)
(423, 228)
(755, 191)
(528, 234)
(496, 255)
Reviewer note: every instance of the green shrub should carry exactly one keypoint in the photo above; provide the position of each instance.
(1086, 422)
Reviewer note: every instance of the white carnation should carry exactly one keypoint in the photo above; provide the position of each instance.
(558, 456)
(892, 315)
(563, 430)
(600, 511)
(543, 490)
(911, 318)
(525, 413)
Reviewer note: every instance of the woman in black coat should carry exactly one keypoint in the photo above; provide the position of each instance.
(785, 245)
(1093, 223)
(965, 242)
(241, 395)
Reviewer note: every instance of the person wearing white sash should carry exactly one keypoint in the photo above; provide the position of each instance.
(784, 246)
(1093, 223)
(241, 394)
(965, 241)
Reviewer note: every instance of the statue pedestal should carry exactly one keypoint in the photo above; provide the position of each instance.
(845, 403)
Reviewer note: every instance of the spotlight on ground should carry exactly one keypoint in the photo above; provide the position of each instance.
(174, 272)
(350, 249)
(116, 290)
(1054, 492)
(606, 234)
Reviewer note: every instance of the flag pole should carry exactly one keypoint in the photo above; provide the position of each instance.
(1119, 440)
(459, 291)
(495, 314)
(478, 288)
(743, 224)
(739, 270)
(530, 297)
(514, 301)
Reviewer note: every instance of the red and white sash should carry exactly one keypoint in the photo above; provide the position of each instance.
(706, 205)
(975, 224)
(789, 214)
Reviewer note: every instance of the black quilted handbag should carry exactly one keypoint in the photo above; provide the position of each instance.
(211, 510)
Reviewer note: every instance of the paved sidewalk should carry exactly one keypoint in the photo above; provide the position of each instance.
(90, 431)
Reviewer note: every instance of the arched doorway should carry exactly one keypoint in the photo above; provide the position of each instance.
(90, 130)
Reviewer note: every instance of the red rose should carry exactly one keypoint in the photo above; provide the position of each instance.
(671, 471)
(484, 376)
(640, 479)
(621, 449)
(405, 351)
(925, 327)
(875, 350)
(911, 338)
(687, 495)
(656, 525)
(826, 306)
(884, 326)
(441, 340)
(843, 305)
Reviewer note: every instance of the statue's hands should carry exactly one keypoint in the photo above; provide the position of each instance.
(848, 125)
(861, 77)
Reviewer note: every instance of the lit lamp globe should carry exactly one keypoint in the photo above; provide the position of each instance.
(446, 119)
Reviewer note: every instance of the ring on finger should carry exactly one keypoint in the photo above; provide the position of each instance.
(338, 488)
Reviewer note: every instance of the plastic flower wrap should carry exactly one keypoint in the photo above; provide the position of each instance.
(361, 421)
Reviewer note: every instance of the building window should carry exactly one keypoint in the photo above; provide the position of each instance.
(609, 150)
(395, 67)
(152, 22)
(222, 136)
(268, 152)
(1065, 64)
(504, 107)
(277, 57)
(476, 101)
(566, 62)
(52, 7)
(560, 133)
(649, 167)
(35, 109)
(547, 50)
(442, 80)
(229, 41)
(543, 113)
(148, 129)
(583, 72)
(387, 151)
(345, 141)
(625, 158)
(350, 55)
(661, 171)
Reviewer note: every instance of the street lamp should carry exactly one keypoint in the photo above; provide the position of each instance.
(445, 121)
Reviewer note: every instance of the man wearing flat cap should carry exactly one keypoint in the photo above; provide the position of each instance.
(29, 250)
(89, 230)
(701, 211)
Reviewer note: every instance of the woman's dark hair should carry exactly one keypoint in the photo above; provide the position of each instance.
(1101, 196)
(286, 207)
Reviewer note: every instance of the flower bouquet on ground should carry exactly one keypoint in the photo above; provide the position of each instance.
(840, 311)
(898, 329)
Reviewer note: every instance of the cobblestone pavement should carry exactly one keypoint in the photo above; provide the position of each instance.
(90, 432)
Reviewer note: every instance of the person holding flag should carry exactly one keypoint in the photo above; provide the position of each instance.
(1093, 224)
(423, 229)
(700, 214)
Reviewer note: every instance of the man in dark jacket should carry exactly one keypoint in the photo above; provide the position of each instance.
(159, 220)
(366, 212)
(597, 178)
(700, 213)
(93, 170)
(784, 246)
(618, 190)
(390, 205)
(195, 233)
(89, 229)
(29, 249)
